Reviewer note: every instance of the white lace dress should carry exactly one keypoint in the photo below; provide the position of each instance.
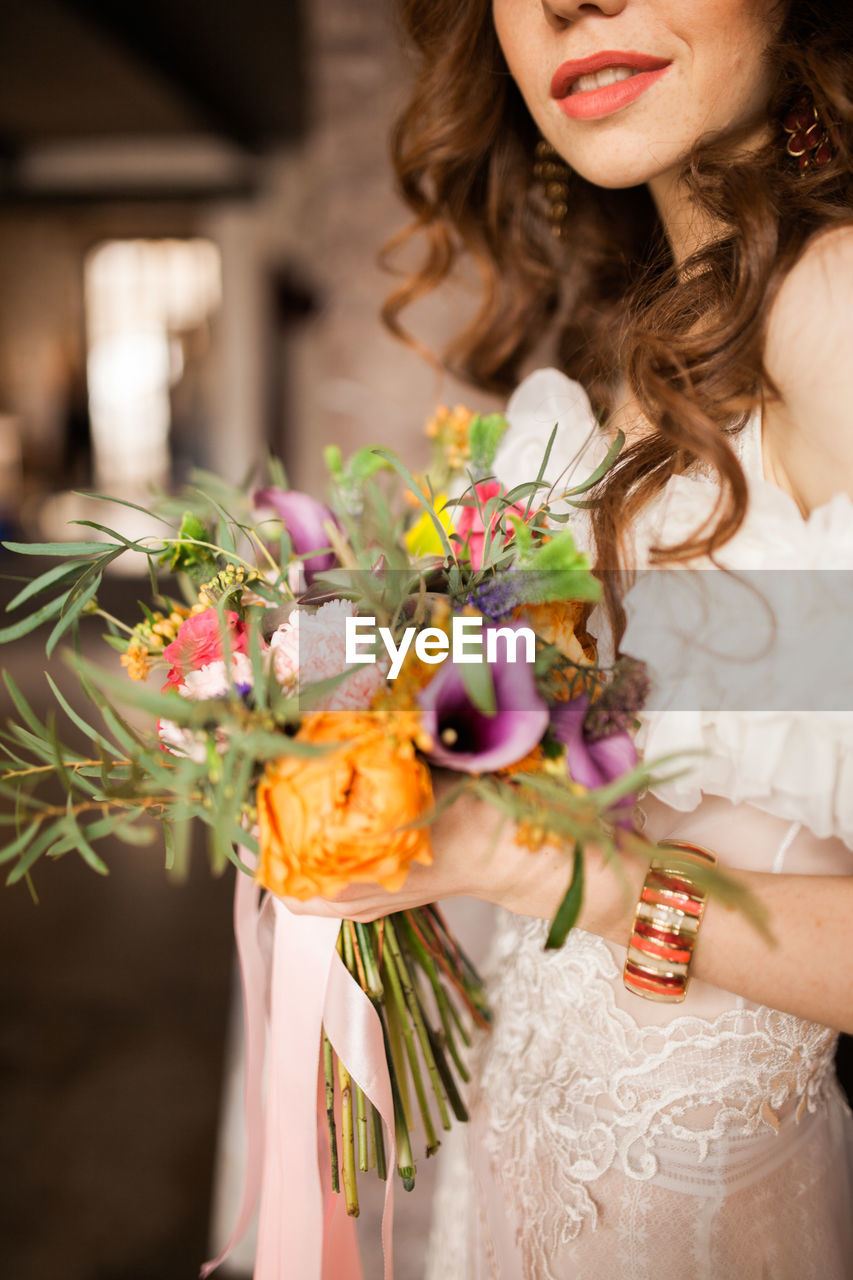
(612, 1138)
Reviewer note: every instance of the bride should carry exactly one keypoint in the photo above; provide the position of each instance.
(662, 191)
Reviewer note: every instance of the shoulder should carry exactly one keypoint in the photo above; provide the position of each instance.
(814, 303)
(809, 430)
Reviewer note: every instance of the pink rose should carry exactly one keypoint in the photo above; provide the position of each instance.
(311, 647)
(199, 643)
(468, 520)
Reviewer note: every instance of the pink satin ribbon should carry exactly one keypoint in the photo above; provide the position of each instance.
(303, 1233)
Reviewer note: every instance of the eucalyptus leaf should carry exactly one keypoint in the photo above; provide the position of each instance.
(55, 548)
(47, 579)
(76, 603)
(32, 620)
(569, 909)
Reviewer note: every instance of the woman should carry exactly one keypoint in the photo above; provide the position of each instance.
(698, 286)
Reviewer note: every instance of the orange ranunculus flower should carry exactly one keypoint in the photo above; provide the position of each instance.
(329, 820)
(561, 623)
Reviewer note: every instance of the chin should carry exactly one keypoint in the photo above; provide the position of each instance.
(614, 176)
(615, 162)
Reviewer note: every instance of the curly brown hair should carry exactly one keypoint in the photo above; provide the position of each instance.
(689, 341)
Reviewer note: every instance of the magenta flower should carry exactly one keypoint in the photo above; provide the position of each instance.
(468, 520)
(303, 518)
(468, 740)
(592, 764)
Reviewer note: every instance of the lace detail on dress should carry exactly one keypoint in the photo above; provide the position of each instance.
(570, 1086)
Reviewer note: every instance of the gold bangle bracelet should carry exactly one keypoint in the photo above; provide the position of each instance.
(666, 924)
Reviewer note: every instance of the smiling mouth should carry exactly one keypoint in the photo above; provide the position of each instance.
(605, 82)
(600, 70)
(601, 79)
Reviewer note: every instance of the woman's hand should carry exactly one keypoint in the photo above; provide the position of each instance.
(475, 854)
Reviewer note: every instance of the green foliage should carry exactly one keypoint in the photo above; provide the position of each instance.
(120, 781)
(484, 435)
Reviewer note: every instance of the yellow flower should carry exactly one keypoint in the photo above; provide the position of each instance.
(450, 427)
(328, 821)
(422, 539)
(137, 660)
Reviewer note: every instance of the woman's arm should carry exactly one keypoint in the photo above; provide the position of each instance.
(808, 972)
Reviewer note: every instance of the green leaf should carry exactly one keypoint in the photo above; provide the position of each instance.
(185, 555)
(42, 841)
(23, 708)
(125, 502)
(76, 603)
(484, 436)
(119, 643)
(260, 676)
(81, 724)
(32, 620)
(523, 539)
(603, 467)
(526, 490)
(226, 521)
(334, 461)
(558, 571)
(428, 506)
(276, 472)
(365, 463)
(119, 727)
(177, 837)
(479, 685)
(82, 845)
(45, 580)
(10, 851)
(569, 908)
(55, 548)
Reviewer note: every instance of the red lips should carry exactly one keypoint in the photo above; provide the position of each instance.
(565, 76)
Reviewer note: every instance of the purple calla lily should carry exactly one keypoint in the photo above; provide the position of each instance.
(468, 740)
(303, 518)
(592, 764)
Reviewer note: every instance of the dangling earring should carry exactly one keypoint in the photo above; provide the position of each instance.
(551, 172)
(809, 139)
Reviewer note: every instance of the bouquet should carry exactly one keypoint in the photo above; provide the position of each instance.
(298, 671)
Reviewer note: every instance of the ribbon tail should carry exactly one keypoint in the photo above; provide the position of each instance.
(352, 1025)
(253, 974)
(309, 987)
(290, 1227)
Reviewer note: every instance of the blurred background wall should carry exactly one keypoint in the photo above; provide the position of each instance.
(192, 198)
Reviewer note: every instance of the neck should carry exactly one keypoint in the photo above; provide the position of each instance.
(686, 227)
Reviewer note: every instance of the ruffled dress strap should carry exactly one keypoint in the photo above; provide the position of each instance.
(749, 666)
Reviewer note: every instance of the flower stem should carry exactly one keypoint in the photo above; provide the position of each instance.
(328, 1071)
(398, 996)
(352, 959)
(454, 947)
(396, 1054)
(446, 1010)
(373, 981)
(361, 1123)
(378, 1144)
(348, 1139)
(405, 1159)
(416, 1013)
(453, 976)
(460, 1111)
(349, 928)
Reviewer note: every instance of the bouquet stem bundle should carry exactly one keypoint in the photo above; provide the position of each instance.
(423, 987)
